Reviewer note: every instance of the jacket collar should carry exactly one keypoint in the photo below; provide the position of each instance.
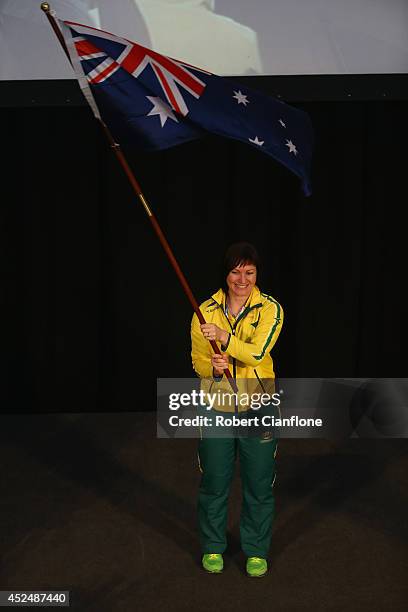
(253, 301)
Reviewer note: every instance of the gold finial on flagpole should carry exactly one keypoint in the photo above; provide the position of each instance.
(45, 7)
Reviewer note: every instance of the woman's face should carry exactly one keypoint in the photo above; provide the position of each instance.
(241, 280)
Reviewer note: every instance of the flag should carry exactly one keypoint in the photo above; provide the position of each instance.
(155, 102)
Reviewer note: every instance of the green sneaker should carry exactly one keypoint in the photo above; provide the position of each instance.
(256, 567)
(213, 563)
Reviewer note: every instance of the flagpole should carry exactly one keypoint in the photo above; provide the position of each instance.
(46, 8)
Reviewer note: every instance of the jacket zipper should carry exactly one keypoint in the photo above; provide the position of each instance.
(234, 366)
(234, 374)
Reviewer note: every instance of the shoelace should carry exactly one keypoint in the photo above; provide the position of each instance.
(214, 556)
(256, 559)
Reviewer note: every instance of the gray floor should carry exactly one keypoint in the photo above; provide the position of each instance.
(97, 505)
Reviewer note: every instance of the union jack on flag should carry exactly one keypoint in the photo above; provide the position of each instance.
(156, 102)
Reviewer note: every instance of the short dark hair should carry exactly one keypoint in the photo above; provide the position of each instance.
(239, 254)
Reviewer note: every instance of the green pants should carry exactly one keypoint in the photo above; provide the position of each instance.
(257, 465)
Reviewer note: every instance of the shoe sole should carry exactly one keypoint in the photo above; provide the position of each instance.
(256, 575)
(212, 571)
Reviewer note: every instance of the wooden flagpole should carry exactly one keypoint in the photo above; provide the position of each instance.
(45, 6)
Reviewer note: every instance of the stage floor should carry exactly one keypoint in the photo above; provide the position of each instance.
(96, 504)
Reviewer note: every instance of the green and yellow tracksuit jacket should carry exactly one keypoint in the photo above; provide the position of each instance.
(252, 335)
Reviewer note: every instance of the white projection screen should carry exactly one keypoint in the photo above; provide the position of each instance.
(227, 37)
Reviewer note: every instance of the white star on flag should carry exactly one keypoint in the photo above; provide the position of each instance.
(292, 148)
(283, 124)
(256, 141)
(240, 97)
(161, 109)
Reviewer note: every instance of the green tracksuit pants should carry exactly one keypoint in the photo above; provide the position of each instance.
(257, 466)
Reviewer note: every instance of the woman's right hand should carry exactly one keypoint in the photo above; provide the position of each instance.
(219, 363)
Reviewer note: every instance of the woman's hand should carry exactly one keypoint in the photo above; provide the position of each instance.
(219, 364)
(213, 332)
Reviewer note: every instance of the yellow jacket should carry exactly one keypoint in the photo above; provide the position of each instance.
(252, 336)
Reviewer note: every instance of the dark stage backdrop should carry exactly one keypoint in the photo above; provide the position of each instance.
(92, 310)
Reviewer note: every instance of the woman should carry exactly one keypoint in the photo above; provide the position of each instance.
(246, 324)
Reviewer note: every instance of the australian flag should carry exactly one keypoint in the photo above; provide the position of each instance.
(156, 102)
